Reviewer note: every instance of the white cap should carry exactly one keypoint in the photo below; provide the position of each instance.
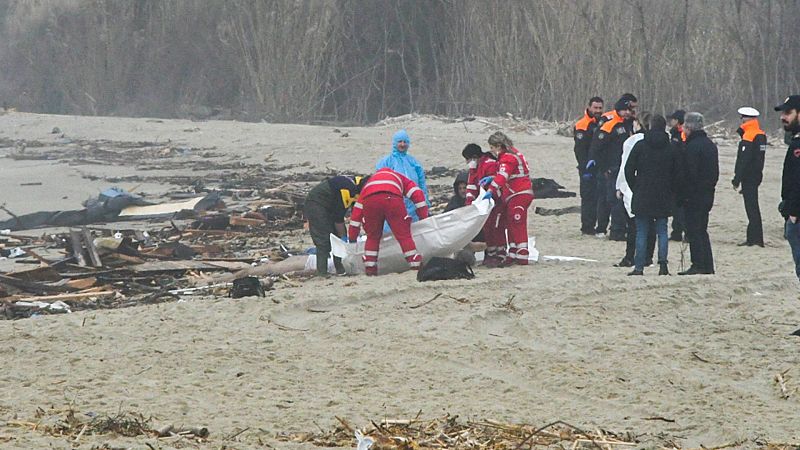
(748, 111)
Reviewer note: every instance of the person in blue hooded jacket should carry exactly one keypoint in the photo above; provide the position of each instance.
(400, 161)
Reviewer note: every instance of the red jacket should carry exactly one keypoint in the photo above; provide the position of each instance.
(390, 182)
(487, 166)
(513, 176)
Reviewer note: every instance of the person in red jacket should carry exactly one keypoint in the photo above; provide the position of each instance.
(381, 199)
(512, 185)
(482, 165)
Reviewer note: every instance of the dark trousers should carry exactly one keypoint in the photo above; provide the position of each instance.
(588, 204)
(678, 221)
(755, 232)
(619, 217)
(791, 232)
(697, 210)
(630, 242)
(603, 207)
(321, 225)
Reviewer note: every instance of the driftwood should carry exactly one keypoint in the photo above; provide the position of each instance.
(67, 297)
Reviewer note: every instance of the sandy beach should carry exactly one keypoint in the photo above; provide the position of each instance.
(678, 361)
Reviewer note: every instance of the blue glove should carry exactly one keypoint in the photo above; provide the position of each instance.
(486, 195)
(486, 180)
(345, 239)
(591, 164)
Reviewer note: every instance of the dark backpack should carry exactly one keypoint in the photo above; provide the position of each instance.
(444, 269)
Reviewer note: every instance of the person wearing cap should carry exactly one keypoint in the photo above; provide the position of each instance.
(605, 158)
(324, 209)
(583, 132)
(678, 139)
(697, 193)
(748, 172)
(790, 183)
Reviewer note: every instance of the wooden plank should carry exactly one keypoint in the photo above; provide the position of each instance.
(90, 248)
(82, 283)
(172, 266)
(65, 297)
(239, 221)
(77, 247)
(161, 209)
(32, 286)
(45, 273)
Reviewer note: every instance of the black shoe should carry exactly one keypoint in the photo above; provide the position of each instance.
(617, 237)
(663, 269)
(588, 232)
(624, 263)
(693, 271)
(648, 263)
(635, 272)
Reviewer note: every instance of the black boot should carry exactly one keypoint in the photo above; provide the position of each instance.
(635, 272)
(663, 270)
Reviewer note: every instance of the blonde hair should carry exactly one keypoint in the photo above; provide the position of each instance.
(499, 138)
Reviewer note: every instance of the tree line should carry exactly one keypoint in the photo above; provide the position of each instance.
(358, 61)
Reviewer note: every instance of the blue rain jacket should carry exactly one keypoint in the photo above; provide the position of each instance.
(407, 165)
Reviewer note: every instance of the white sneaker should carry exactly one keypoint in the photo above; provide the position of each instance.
(600, 235)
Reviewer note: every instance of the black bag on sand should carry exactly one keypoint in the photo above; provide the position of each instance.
(444, 269)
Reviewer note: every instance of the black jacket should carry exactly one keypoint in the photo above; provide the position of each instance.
(790, 185)
(333, 195)
(651, 171)
(750, 155)
(701, 171)
(457, 201)
(583, 132)
(606, 148)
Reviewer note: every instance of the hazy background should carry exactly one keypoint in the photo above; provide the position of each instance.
(357, 61)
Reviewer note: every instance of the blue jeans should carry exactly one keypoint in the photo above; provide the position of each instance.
(792, 234)
(643, 226)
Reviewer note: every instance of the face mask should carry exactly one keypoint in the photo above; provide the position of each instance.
(472, 164)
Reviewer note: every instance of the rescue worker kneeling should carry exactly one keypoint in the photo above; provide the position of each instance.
(382, 200)
(482, 165)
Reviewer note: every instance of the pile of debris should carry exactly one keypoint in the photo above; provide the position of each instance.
(74, 425)
(449, 432)
(159, 252)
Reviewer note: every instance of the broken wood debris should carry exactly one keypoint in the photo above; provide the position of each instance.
(449, 432)
(73, 425)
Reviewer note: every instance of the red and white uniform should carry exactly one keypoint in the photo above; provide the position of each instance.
(381, 200)
(494, 230)
(512, 185)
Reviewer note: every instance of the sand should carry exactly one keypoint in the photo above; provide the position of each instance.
(583, 342)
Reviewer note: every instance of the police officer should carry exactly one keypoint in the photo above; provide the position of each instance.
(748, 172)
(324, 209)
(790, 185)
(605, 158)
(583, 133)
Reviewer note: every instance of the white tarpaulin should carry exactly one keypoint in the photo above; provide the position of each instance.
(440, 235)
